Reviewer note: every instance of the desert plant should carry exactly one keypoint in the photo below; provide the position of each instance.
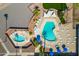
(30, 33)
(41, 49)
(62, 20)
(36, 12)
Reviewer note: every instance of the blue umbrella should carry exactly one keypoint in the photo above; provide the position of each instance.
(58, 49)
(38, 39)
(51, 53)
(64, 48)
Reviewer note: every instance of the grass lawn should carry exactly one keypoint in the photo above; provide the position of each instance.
(77, 20)
(58, 6)
(76, 12)
(76, 5)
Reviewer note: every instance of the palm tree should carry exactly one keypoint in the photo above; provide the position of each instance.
(36, 7)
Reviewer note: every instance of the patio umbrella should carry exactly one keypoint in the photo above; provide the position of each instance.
(51, 53)
(64, 48)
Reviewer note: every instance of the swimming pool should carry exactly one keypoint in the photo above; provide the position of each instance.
(47, 32)
(19, 38)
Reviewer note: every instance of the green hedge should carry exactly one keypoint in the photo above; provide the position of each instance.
(58, 6)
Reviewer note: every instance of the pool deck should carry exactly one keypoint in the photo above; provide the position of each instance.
(65, 33)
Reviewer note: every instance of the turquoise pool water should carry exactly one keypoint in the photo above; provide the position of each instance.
(19, 38)
(48, 33)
